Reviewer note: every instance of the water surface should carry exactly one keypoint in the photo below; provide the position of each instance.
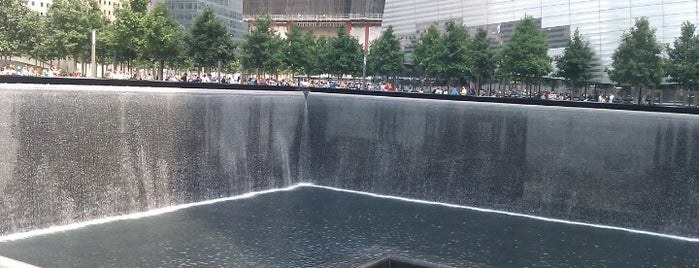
(314, 227)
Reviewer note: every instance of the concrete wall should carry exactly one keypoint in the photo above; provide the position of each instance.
(72, 154)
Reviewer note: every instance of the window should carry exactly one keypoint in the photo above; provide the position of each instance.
(42, 4)
(32, 3)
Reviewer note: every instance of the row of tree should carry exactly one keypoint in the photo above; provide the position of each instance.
(640, 61)
(265, 51)
(137, 37)
(146, 38)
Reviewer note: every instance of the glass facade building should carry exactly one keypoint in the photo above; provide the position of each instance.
(601, 22)
(230, 11)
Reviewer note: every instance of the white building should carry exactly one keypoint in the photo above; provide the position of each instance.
(107, 7)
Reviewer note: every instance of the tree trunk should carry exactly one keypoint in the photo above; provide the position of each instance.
(161, 66)
(478, 82)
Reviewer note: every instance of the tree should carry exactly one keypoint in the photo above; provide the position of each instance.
(298, 50)
(575, 63)
(321, 52)
(637, 62)
(457, 61)
(125, 36)
(345, 55)
(484, 61)
(211, 43)
(385, 56)
(263, 49)
(525, 56)
(163, 37)
(683, 57)
(312, 58)
(428, 53)
(70, 23)
(20, 30)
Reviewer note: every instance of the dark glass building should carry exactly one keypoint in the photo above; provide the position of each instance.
(230, 11)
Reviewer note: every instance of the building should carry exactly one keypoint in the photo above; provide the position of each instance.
(107, 7)
(601, 23)
(230, 11)
(40, 6)
(361, 18)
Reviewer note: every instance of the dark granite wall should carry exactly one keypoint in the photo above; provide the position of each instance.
(76, 154)
(71, 156)
(631, 169)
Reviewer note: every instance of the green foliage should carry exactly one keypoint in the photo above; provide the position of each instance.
(138, 6)
(346, 55)
(385, 56)
(428, 53)
(683, 57)
(70, 23)
(321, 51)
(637, 60)
(484, 60)
(457, 59)
(18, 30)
(126, 35)
(312, 58)
(525, 56)
(297, 56)
(263, 49)
(575, 63)
(163, 37)
(210, 40)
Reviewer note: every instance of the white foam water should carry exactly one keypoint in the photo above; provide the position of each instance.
(155, 212)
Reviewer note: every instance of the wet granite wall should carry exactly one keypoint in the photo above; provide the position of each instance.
(632, 169)
(73, 154)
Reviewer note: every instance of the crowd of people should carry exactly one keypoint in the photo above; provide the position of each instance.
(350, 84)
(27, 70)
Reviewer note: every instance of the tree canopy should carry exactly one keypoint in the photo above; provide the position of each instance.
(428, 53)
(263, 49)
(18, 30)
(211, 43)
(458, 61)
(70, 23)
(298, 48)
(484, 61)
(125, 36)
(345, 54)
(637, 60)
(164, 37)
(683, 56)
(385, 56)
(525, 56)
(575, 63)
